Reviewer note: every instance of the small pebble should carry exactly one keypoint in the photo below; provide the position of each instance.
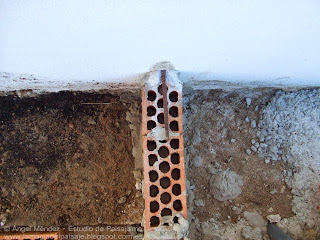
(199, 203)
(257, 145)
(197, 161)
(248, 101)
(256, 108)
(232, 140)
(253, 124)
(253, 141)
(247, 119)
(267, 161)
(91, 121)
(270, 209)
(253, 148)
(274, 218)
(269, 137)
(122, 200)
(263, 145)
(248, 151)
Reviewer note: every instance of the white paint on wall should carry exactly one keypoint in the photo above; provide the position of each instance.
(240, 41)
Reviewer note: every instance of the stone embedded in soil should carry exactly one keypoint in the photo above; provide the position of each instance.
(199, 203)
(274, 218)
(236, 210)
(248, 101)
(197, 161)
(253, 148)
(91, 121)
(253, 124)
(251, 234)
(211, 169)
(254, 219)
(248, 151)
(247, 119)
(226, 185)
(190, 196)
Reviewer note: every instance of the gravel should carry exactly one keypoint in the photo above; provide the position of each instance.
(290, 132)
(248, 151)
(248, 101)
(253, 124)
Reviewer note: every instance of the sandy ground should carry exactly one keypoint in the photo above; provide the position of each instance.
(223, 138)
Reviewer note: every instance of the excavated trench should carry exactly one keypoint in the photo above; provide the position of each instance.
(74, 159)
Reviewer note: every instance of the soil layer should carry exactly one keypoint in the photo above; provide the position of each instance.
(66, 159)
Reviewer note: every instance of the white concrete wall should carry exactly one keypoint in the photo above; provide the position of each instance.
(274, 41)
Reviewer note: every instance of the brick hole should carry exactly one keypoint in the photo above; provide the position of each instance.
(160, 89)
(152, 159)
(154, 191)
(175, 158)
(160, 118)
(176, 219)
(163, 141)
(174, 126)
(175, 174)
(154, 206)
(160, 103)
(163, 152)
(153, 175)
(166, 212)
(164, 167)
(151, 111)
(165, 198)
(176, 189)
(154, 221)
(174, 143)
(173, 112)
(173, 96)
(151, 145)
(177, 205)
(151, 96)
(151, 124)
(165, 182)
(165, 224)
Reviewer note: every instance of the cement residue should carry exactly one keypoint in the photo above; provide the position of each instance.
(162, 65)
(178, 230)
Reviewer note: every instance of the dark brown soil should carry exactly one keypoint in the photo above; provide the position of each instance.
(66, 161)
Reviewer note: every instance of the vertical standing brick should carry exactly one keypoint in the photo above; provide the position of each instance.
(163, 156)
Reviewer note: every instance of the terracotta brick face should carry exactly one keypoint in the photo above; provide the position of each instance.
(163, 155)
